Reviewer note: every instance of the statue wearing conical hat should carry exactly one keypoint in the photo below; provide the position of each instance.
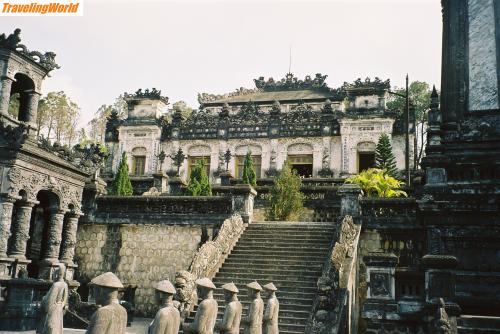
(232, 315)
(111, 317)
(54, 303)
(206, 315)
(272, 310)
(168, 318)
(253, 321)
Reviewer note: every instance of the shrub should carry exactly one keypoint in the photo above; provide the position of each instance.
(121, 183)
(285, 201)
(377, 183)
(249, 176)
(199, 185)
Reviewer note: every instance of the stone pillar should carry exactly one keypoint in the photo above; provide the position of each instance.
(380, 271)
(5, 86)
(68, 244)
(48, 265)
(29, 107)
(225, 178)
(242, 201)
(160, 181)
(21, 230)
(439, 277)
(6, 206)
(176, 185)
(349, 200)
(20, 237)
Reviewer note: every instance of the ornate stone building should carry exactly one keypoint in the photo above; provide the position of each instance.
(323, 132)
(41, 184)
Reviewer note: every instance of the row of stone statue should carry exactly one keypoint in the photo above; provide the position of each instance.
(111, 317)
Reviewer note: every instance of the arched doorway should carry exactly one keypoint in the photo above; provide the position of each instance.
(38, 232)
(21, 92)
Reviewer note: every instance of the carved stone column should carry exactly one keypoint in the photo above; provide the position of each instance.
(29, 107)
(21, 230)
(5, 86)
(68, 244)
(20, 237)
(48, 265)
(6, 206)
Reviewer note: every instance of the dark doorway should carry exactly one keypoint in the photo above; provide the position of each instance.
(366, 160)
(303, 170)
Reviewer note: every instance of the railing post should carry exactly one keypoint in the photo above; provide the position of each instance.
(176, 184)
(160, 182)
(440, 291)
(349, 200)
(243, 196)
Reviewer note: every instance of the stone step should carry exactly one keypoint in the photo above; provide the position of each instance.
(261, 256)
(284, 297)
(231, 260)
(291, 266)
(281, 284)
(299, 234)
(303, 307)
(297, 253)
(269, 272)
(284, 242)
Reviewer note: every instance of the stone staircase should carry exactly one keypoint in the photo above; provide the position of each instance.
(291, 255)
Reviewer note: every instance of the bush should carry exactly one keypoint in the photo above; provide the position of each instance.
(377, 183)
(121, 183)
(199, 185)
(285, 201)
(249, 176)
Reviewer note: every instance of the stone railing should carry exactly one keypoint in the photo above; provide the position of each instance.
(161, 209)
(206, 262)
(388, 212)
(332, 309)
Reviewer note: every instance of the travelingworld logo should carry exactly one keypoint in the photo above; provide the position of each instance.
(41, 8)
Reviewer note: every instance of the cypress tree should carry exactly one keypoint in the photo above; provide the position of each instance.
(249, 176)
(199, 185)
(121, 183)
(286, 200)
(384, 158)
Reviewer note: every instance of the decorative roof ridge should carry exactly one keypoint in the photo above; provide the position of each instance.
(206, 97)
(377, 84)
(152, 94)
(290, 82)
(12, 42)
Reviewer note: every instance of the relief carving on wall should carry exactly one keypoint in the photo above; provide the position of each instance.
(33, 182)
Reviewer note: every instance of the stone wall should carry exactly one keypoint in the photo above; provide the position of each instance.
(137, 254)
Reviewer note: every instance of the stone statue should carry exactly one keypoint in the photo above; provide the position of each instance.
(54, 304)
(206, 315)
(168, 318)
(253, 322)
(111, 317)
(185, 292)
(232, 315)
(272, 310)
(442, 322)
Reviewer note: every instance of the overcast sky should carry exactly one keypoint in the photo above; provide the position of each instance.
(187, 47)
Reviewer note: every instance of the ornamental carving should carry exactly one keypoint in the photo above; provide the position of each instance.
(302, 114)
(32, 183)
(152, 94)
(46, 60)
(201, 119)
(205, 97)
(13, 136)
(345, 246)
(291, 82)
(209, 257)
(376, 84)
(250, 114)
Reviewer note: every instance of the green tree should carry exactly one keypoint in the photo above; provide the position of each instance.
(249, 176)
(199, 185)
(14, 105)
(285, 201)
(121, 183)
(377, 183)
(182, 106)
(420, 95)
(384, 158)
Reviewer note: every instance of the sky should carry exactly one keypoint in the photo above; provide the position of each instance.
(187, 47)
